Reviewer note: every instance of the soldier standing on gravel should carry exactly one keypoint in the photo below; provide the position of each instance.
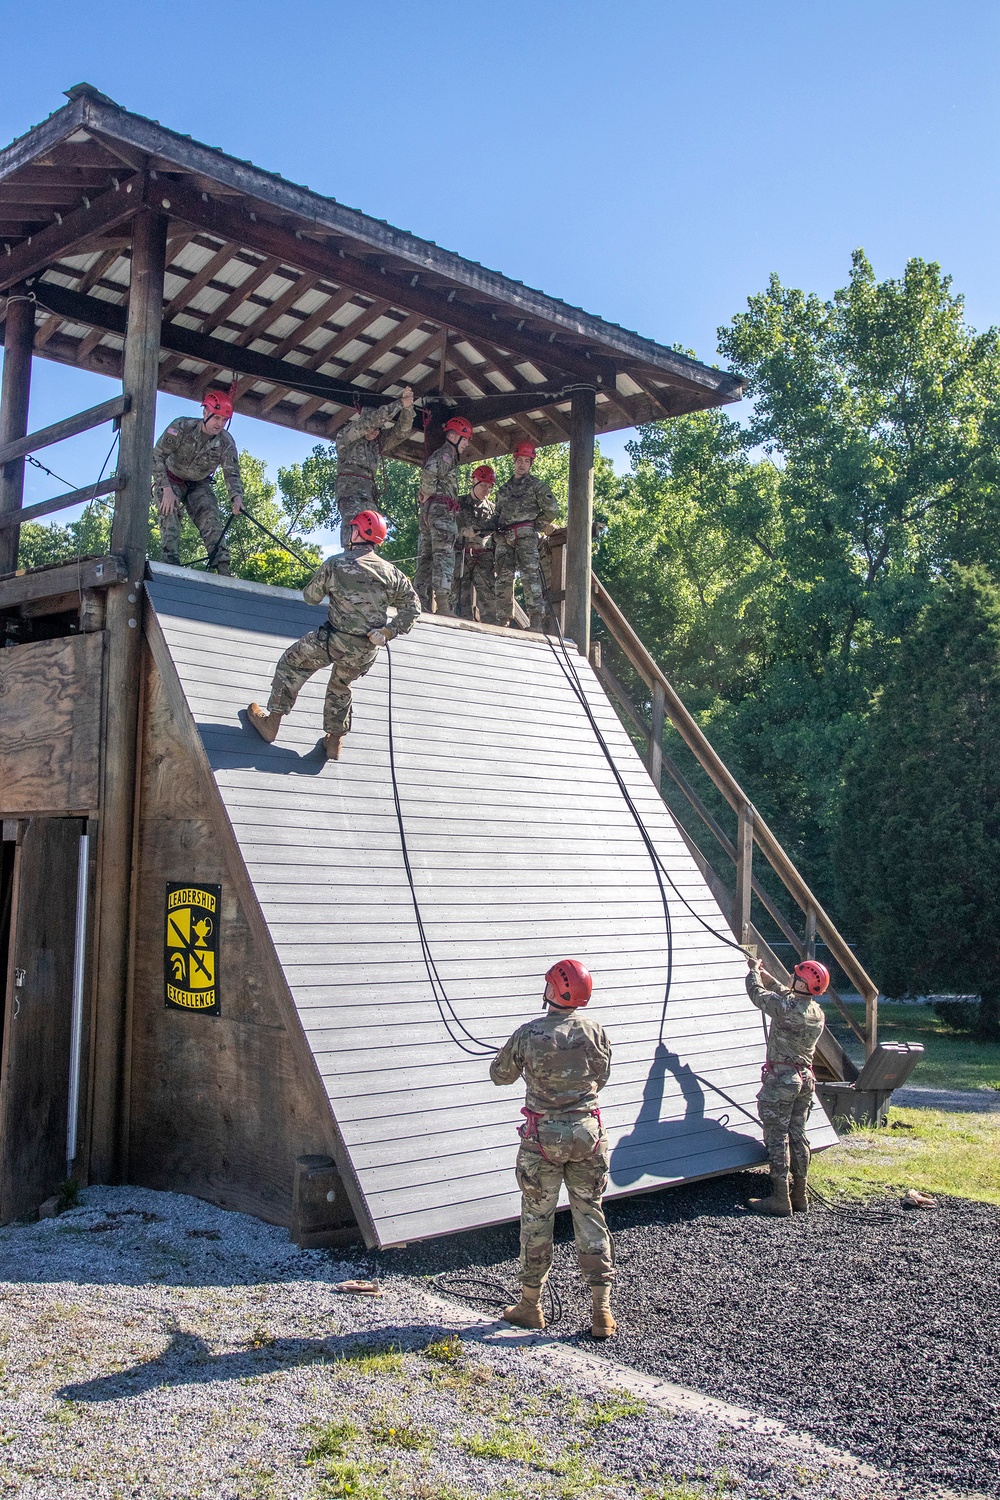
(358, 586)
(564, 1058)
(185, 459)
(788, 1085)
(362, 443)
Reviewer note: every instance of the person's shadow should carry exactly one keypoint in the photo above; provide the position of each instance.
(653, 1144)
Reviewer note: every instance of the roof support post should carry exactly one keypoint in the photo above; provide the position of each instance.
(19, 338)
(129, 531)
(580, 519)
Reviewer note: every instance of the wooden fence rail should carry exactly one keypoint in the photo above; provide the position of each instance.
(68, 427)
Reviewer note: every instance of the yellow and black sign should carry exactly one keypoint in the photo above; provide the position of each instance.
(191, 952)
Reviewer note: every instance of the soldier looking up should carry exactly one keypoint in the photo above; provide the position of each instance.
(473, 585)
(438, 518)
(564, 1058)
(184, 463)
(525, 505)
(788, 1085)
(362, 443)
(359, 586)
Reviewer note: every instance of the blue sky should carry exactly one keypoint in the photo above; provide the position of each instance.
(651, 161)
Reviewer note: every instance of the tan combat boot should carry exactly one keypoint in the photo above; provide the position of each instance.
(442, 604)
(331, 744)
(266, 725)
(799, 1196)
(528, 1312)
(603, 1325)
(779, 1204)
(223, 570)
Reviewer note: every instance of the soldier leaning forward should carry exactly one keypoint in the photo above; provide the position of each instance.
(184, 463)
(473, 587)
(438, 518)
(359, 587)
(788, 1085)
(362, 443)
(564, 1058)
(524, 505)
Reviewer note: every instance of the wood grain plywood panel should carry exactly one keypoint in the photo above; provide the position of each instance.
(523, 849)
(50, 719)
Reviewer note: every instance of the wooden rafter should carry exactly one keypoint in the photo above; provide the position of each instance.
(200, 279)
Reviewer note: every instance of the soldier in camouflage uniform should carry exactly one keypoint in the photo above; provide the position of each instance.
(438, 518)
(564, 1058)
(361, 445)
(524, 507)
(788, 1085)
(473, 586)
(184, 462)
(359, 586)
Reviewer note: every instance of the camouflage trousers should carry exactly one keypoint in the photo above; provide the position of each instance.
(521, 555)
(350, 656)
(477, 574)
(573, 1152)
(358, 498)
(437, 531)
(784, 1103)
(201, 503)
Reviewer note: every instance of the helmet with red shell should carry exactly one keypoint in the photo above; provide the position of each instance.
(461, 425)
(217, 404)
(370, 527)
(568, 984)
(815, 976)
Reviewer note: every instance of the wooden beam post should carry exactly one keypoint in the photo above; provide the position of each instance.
(19, 338)
(744, 873)
(580, 520)
(810, 943)
(123, 676)
(656, 738)
(871, 1021)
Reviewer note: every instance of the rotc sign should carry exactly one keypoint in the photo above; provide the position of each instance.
(191, 953)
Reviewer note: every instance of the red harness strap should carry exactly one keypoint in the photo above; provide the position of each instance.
(529, 1130)
(452, 505)
(514, 531)
(803, 1069)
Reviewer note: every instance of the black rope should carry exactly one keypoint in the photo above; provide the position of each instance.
(501, 1297)
(211, 556)
(446, 1009)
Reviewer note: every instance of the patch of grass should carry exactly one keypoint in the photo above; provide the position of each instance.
(511, 1443)
(950, 1060)
(331, 1440)
(63, 1414)
(618, 1405)
(396, 1432)
(365, 1360)
(951, 1155)
(448, 1350)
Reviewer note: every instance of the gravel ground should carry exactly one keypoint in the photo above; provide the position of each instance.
(956, 1101)
(875, 1330)
(155, 1346)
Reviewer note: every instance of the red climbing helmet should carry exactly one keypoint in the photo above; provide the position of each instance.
(218, 404)
(484, 475)
(461, 425)
(370, 526)
(815, 976)
(525, 450)
(571, 983)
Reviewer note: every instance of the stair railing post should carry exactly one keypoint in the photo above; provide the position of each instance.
(656, 738)
(810, 943)
(18, 343)
(744, 872)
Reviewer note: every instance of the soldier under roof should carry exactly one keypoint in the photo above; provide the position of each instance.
(564, 1058)
(362, 443)
(788, 1084)
(184, 463)
(524, 506)
(438, 518)
(359, 587)
(473, 586)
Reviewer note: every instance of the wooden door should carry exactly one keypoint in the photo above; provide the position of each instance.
(34, 1069)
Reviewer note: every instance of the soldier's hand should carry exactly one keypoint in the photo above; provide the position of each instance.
(168, 501)
(237, 504)
(548, 528)
(378, 637)
(406, 397)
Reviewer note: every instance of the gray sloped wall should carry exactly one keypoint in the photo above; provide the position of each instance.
(523, 851)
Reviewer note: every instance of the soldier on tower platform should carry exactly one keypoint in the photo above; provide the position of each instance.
(525, 506)
(185, 460)
(438, 518)
(473, 586)
(362, 443)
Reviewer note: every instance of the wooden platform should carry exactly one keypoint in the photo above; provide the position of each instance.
(523, 850)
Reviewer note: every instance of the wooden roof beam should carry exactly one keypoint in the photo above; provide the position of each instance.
(103, 212)
(200, 279)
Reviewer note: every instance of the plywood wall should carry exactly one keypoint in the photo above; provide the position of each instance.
(50, 723)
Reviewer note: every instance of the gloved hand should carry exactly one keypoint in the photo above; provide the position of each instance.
(378, 637)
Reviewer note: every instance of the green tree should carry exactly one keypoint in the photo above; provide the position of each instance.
(918, 847)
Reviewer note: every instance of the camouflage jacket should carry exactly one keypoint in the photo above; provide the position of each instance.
(797, 1023)
(357, 458)
(439, 475)
(191, 453)
(525, 499)
(563, 1057)
(360, 586)
(476, 516)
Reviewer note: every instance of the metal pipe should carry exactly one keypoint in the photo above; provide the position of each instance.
(79, 972)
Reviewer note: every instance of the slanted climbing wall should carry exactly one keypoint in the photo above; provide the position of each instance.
(523, 851)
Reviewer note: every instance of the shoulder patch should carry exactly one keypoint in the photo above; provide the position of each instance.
(171, 431)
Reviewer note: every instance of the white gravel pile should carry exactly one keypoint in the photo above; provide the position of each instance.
(156, 1346)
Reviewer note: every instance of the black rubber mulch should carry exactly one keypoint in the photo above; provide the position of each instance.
(877, 1330)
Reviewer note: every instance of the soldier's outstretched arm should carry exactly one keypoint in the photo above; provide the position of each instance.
(508, 1064)
(771, 1002)
(406, 604)
(231, 473)
(399, 431)
(315, 590)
